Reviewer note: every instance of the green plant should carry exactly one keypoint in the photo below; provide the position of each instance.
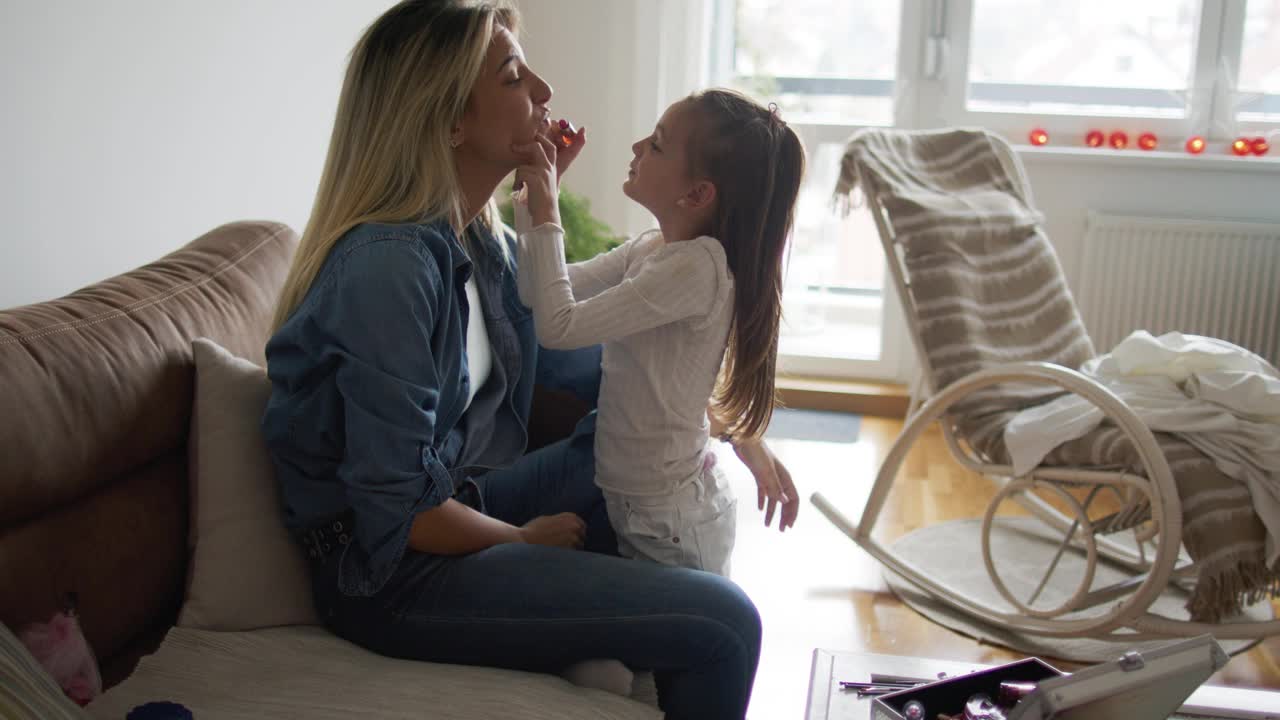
(585, 235)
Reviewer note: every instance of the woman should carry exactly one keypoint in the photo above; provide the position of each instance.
(402, 368)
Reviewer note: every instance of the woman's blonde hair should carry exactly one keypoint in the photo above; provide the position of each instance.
(389, 159)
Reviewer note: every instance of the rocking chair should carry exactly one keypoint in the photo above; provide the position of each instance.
(996, 331)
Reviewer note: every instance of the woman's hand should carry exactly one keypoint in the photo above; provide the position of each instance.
(565, 530)
(773, 481)
(537, 178)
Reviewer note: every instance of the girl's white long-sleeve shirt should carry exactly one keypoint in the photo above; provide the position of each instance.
(662, 311)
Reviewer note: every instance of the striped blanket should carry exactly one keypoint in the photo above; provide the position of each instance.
(988, 290)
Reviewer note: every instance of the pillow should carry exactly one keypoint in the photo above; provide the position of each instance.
(26, 690)
(246, 572)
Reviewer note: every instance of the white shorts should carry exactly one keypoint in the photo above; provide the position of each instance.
(693, 528)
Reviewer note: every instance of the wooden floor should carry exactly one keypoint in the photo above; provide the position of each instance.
(815, 588)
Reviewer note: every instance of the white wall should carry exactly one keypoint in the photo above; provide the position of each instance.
(129, 128)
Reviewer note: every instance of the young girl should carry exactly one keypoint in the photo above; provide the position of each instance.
(688, 315)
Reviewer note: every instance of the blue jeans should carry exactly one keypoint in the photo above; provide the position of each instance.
(537, 608)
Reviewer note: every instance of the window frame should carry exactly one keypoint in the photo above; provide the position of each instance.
(1209, 112)
(1232, 43)
(931, 87)
(896, 360)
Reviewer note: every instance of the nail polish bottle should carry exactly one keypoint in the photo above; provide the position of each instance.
(567, 132)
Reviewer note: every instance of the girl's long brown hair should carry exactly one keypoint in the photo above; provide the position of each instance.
(756, 163)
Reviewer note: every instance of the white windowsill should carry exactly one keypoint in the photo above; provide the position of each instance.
(1154, 159)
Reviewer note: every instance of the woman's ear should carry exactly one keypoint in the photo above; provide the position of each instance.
(701, 195)
(456, 137)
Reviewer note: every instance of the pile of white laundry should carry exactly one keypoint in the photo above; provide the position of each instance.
(1220, 398)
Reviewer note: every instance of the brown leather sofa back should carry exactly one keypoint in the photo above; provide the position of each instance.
(95, 408)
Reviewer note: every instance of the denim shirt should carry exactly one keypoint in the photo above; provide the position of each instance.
(369, 383)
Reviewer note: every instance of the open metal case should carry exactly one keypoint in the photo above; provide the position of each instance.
(1138, 686)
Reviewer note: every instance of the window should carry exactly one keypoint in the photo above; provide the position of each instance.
(1090, 56)
(1179, 67)
(827, 62)
(831, 67)
(833, 299)
(1169, 66)
(1174, 67)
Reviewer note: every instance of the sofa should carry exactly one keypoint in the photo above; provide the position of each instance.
(110, 485)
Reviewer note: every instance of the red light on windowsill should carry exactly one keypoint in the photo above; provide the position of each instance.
(1259, 146)
(1195, 145)
(1094, 138)
(1039, 137)
(1118, 140)
(1148, 141)
(1242, 146)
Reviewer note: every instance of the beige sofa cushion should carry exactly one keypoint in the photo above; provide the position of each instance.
(306, 672)
(246, 571)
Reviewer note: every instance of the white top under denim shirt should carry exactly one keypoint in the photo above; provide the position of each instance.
(662, 311)
(479, 351)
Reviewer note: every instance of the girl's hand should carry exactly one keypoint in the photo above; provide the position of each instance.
(773, 482)
(536, 177)
(565, 154)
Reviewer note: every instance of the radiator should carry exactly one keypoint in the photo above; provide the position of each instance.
(1214, 278)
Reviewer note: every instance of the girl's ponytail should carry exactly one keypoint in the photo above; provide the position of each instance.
(756, 163)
